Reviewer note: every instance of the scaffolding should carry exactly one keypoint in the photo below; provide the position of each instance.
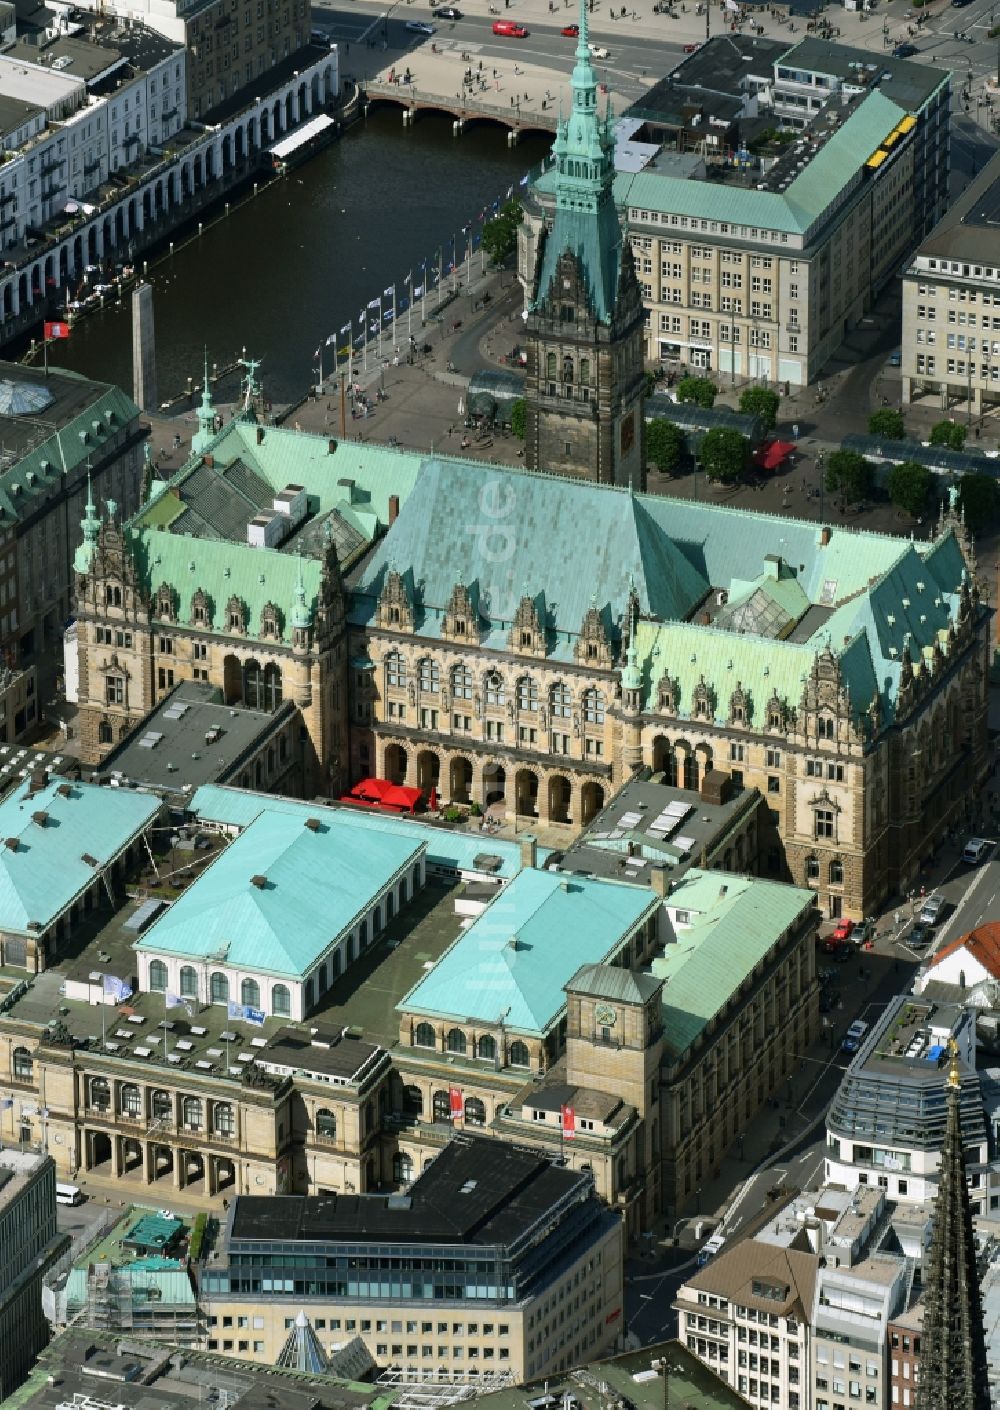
(433, 1390)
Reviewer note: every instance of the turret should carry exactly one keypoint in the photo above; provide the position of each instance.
(91, 526)
(206, 415)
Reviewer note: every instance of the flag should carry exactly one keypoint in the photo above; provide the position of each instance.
(254, 1016)
(173, 1001)
(6, 1104)
(235, 1010)
(375, 303)
(116, 989)
(389, 293)
(346, 329)
(418, 291)
(525, 179)
(455, 1101)
(57, 330)
(332, 339)
(568, 1122)
(316, 355)
(510, 192)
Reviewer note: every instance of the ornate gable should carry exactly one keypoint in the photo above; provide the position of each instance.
(395, 609)
(593, 648)
(527, 632)
(461, 620)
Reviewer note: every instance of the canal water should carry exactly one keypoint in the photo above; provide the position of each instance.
(295, 264)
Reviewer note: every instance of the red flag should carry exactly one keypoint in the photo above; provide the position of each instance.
(568, 1122)
(457, 1109)
(57, 330)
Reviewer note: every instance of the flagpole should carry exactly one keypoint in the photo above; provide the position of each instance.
(395, 312)
(45, 350)
(409, 307)
(440, 272)
(350, 352)
(364, 345)
(454, 264)
(378, 344)
(423, 293)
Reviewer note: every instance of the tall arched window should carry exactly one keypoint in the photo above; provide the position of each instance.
(560, 701)
(24, 1067)
(157, 976)
(191, 1113)
(585, 370)
(455, 1041)
(461, 683)
(429, 676)
(161, 1105)
(413, 1101)
(836, 873)
(223, 1119)
(527, 695)
(475, 1112)
(519, 1055)
(219, 988)
(130, 1100)
(189, 982)
(326, 1123)
(495, 693)
(550, 366)
(423, 1036)
(441, 1106)
(100, 1093)
(812, 869)
(402, 1168)
(250, 993)
(593, 706)
(487, 1048)
(281, 1001)
(395, 671)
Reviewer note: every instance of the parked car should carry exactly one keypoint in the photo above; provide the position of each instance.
(598, 51)
(976, 850)
(420, 27)
(510, 29)
(447, 12)
(933, 909)
(920, 934)
(904, 51)
(853, 1036)
(570, 31)
(896, 358)
(690, 48)
(710, 1248)
(864, 932)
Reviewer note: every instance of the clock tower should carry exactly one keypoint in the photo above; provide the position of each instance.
(585, 382)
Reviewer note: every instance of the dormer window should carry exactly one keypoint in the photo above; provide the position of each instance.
(394, 616)
(824, 727)
(526, 639)
(459, 627)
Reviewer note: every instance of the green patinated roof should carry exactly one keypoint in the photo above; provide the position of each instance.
(223, 570)
(576, 541)
(734, 922)
(46, 871)
(40, 470)
(517, 956)
(794, 210)
(318, 881)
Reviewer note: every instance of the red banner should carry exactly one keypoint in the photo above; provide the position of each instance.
(57, 330)
(568, 1122)
(455, 1098)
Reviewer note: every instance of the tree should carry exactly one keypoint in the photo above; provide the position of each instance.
(888, 422)
(664, 445)
(977, 495)
(518, 418)
(850, 475)
(723, 454)
(910, 486)
(762, 402)
(500, 233)
(699, 390)
(948, 433)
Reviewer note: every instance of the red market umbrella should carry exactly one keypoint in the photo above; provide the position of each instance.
(770, 455)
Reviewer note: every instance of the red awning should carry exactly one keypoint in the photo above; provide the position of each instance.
(379, 792)
(770, 455)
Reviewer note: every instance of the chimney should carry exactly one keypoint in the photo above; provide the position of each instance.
(393, 508)
(824, 538)
(175, 490)
(259, 881)
(660, 881)
(331, 446)
(260, 435)
(208, 460)
(312, 824)
(529, 849)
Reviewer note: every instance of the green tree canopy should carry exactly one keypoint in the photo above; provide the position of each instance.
(977, 495)
(911, 487)
(888, 422)
(665, 444)
(699, 390)
(500, 233)
(518, 417)
(723, 454)
(850, 475)
(762, 402)
(948, 433)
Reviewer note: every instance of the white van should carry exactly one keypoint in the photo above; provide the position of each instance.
(69, 1194)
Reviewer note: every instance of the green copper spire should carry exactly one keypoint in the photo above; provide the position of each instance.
(300, 612)
(631, 675)
(586, 222)
(206, 415)
(91, 526)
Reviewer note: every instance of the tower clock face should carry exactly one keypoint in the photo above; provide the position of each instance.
(606, 1015)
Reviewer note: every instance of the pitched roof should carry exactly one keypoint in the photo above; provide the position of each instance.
(604, 981)
(317, 882)
(515, 958)
(734, 922)
(983, 944)
(65, 834)
(733, 1272)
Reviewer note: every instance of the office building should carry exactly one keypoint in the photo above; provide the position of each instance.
(29, 1245)
(951, 304)
(495, 1264)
